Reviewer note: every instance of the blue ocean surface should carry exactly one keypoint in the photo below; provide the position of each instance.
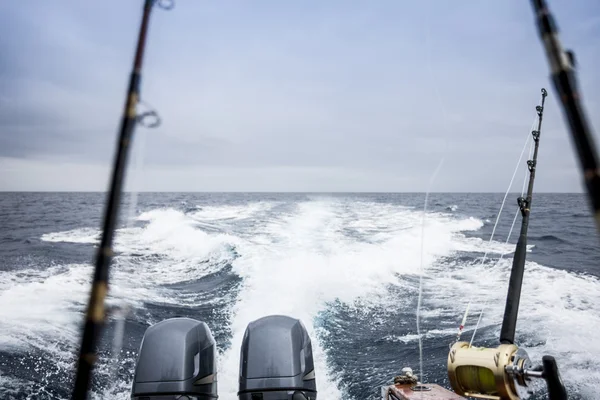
(347, 265)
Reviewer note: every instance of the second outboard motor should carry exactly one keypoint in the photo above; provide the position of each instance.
(276, 361)
(177, 360)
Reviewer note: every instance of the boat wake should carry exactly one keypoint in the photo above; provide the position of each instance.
(347, 268)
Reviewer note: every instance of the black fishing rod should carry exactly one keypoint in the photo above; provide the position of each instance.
(498, 372)
(562, 68)
(95, 314)
(511, 311)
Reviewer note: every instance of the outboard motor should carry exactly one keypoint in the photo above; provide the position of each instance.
(276, 361)
(177, 360)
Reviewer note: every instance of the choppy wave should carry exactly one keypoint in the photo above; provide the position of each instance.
(549, 238)
(79, 235)
(301, 261)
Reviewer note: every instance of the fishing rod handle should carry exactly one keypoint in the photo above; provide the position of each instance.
(556, 389)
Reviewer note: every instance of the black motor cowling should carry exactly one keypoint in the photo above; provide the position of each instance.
(177, 357)
(276, 361)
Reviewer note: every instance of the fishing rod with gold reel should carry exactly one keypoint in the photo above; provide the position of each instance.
(504, 372)
(500, 373)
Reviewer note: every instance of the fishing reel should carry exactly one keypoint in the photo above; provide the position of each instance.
(501, 373)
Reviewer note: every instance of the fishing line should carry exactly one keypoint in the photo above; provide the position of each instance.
(464, 320)
(431, 180)
(512, 226)
(429, 186)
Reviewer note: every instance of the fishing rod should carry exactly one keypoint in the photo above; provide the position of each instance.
(95, 314)
(511, 311)
(562, 68)
(499, 372)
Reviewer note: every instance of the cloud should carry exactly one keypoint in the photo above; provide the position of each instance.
(346, 95)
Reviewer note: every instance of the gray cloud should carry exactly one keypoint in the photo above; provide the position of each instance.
(338, 95)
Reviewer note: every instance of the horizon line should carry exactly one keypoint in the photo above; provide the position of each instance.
(280, 192)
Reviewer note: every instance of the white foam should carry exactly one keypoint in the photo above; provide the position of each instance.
(80, 235)
(325, 250)
(46, 311)
(42, 307)
(230, 212)
(414, 337)
(308, 262)
(168, 233)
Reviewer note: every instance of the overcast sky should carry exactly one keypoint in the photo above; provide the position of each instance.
(336, 95)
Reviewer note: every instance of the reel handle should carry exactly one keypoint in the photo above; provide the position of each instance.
(556, 389)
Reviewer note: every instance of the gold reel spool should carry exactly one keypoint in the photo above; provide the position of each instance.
(482, 372)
